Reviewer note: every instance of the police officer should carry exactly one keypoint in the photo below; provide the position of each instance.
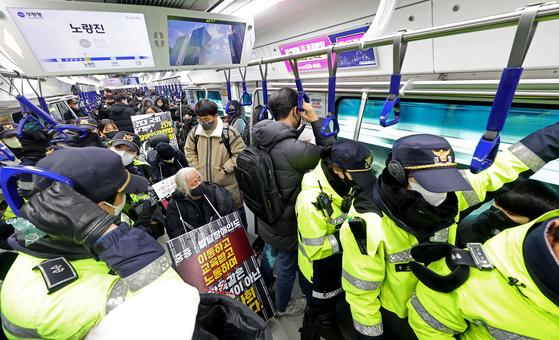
(75, 109)
(60, 287)
(93, 138)
(517, 299)
(418, 198)
(127, 146)
(322, 206)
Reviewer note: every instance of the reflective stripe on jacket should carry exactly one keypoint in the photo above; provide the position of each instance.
(382, 273)
(486, 306)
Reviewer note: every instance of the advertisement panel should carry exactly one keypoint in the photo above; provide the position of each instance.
(346, 59)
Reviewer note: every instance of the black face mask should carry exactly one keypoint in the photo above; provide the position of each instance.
(111, 134)
(499, 220)
(198, 191)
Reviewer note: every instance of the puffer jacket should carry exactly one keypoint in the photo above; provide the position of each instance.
(292, 158)
(121, 114)
(143, 108)
(159, 169)
(212, 156)
(182, 206)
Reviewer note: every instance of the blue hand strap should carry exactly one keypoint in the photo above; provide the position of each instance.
(264, 74)
(23, 122)
(8, 182)
(245, 94)
(301, 96)
(227, 73)
(6, 154)
(488, 146)
(392, 103)
(332, 69)
(40, 113)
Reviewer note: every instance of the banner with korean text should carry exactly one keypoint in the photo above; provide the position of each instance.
(152, 124)
(217, 258)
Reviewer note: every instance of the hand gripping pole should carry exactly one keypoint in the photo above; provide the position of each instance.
(392, 103)
(332, 69)
(488, 145)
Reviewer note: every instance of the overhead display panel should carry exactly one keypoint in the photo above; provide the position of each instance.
(194, 41)
(112, 82)
(67, 40)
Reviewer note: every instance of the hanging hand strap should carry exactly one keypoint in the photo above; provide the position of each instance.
(392, 103)
(245, 94)
(332, 69)
(229, 105)
(264, 74)
(302, 95)
(9, 178)
(488, 145)
(6, 154)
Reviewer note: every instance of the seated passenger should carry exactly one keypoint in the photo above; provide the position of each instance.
(107, 129)
(126, 145)
(8, 135)
(517, 299)
(166, 162)
(189, 208)
(525, 202)
(60, 286)
(93, 138)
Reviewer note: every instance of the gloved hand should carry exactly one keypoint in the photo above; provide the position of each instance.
(144, 213)
(66, 215)
(36, 143)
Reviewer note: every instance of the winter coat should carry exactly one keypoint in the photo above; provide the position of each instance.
(239, 122)
(159, 167)
(212, 156)
(134, 103)
(292, 158)
(190, 210)
(121, 115)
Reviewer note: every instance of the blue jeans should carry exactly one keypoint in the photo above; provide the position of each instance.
(243, 214)
(287, 268)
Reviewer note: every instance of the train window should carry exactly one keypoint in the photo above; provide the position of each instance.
(214, 96)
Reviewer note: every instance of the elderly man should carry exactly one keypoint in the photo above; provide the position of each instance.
(196, 203)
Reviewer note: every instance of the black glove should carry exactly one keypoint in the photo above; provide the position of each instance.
(144, 213)
(66, 215)
(36, 143)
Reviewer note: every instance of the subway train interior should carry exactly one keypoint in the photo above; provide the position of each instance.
(376, 70)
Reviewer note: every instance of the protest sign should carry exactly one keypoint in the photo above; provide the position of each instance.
(165, 188)
(218, 258)
(152, 124)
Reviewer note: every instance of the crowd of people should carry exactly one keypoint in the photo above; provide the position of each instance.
(403, 246)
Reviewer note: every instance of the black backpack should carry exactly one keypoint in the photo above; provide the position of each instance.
(255, 176)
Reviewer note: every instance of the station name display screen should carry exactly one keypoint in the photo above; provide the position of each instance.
(67, 40)
(204, 41)
(111, 82)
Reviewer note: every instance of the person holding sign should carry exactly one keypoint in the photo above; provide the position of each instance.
(196, 203)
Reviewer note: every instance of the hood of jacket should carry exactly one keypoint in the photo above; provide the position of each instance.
(268, 133)
(147, 99)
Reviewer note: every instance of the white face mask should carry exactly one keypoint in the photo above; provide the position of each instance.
(434, 198)
(126, 157)
(118, 208)
(12, 142)
(159, 104)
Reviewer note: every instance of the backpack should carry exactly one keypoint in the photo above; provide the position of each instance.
(246, 135)
(255, 175)
(224, 139)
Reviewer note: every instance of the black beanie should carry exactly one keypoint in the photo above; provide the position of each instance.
(540, 262)
(165, 151)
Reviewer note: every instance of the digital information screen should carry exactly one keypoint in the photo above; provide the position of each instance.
(67, 40)
(131, 81)
(204, 41)
(111, 82)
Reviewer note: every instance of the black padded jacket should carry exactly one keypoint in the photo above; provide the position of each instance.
(120, 114)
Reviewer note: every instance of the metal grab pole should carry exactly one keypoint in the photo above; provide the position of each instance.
(546, 12)
(360, 115)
